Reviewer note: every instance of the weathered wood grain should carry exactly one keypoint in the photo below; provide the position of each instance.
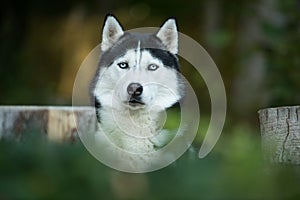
(280, 132)
(58, 123)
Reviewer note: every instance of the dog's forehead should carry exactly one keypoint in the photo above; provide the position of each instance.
(130, 41)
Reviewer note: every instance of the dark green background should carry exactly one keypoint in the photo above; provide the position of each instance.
(255, 44)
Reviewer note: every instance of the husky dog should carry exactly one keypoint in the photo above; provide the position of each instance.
(137, 79)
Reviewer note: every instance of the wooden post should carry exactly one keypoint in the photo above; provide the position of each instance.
(280, 132)
(58, 123)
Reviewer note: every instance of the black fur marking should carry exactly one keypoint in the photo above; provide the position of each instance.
(168, 59)
(128, 41)
(97, 106)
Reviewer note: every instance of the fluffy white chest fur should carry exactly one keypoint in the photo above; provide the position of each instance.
(131, 140)
(135, 131)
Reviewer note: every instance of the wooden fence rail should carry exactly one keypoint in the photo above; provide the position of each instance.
(59, 123)
(280, 132)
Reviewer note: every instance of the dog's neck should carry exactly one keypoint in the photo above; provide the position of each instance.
(130, 129)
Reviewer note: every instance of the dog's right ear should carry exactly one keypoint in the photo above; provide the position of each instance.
(112, 31)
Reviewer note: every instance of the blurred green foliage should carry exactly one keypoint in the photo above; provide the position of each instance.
(283, 50)
(39, 169)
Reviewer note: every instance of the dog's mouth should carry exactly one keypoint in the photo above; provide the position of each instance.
(133, 102)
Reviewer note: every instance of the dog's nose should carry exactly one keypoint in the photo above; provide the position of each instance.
(135, 89)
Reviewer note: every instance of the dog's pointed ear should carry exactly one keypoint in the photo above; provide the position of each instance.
(168, 34)
(112, 31)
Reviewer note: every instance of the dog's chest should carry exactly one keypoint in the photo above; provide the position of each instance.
(130, 132)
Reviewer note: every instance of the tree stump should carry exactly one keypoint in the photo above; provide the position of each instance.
(280, 132)
(58, 123)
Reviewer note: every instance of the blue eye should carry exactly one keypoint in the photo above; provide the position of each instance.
(123, 65)
(152, 67)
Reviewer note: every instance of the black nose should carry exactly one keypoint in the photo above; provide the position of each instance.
(135, 89)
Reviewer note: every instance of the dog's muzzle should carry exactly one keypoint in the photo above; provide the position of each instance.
(135, 91)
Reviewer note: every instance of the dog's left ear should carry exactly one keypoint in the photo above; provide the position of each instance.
(169, 36)
(112, 31)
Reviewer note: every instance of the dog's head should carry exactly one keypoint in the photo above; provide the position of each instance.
(137, 71)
